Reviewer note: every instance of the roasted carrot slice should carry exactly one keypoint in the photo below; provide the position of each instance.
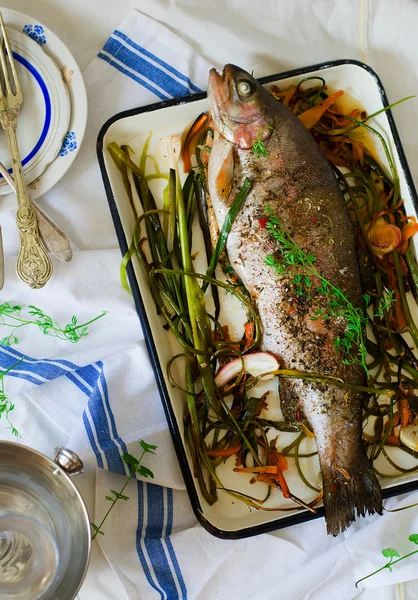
(405, 412)
(272, 469)
(408, 231)
(311, 117)
(392, 440)
(225, 452)
(289, 95)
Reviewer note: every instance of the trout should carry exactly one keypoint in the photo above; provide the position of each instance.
(293, 181)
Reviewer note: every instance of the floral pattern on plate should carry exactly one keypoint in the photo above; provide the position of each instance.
(69, 144)
(36, 32)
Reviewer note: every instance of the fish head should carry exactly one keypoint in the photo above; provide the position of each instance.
(240, 106)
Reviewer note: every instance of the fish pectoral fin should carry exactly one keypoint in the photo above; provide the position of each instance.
(225, 176)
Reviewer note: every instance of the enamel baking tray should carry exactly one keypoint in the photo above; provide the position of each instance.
(227, 518)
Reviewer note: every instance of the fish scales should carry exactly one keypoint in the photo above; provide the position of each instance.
(296, 182)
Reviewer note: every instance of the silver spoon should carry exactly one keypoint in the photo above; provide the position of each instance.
(55, 240)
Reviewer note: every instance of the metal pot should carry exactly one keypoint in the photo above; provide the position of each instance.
(45, 535)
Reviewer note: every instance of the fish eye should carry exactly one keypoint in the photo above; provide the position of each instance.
(245, 88)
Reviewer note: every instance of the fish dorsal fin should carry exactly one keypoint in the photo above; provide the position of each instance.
(225, 177)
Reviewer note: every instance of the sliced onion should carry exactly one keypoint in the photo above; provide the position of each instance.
(409, 436)
(384, 237)
(255, 364)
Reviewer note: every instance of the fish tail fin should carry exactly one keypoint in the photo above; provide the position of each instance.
(347, 493)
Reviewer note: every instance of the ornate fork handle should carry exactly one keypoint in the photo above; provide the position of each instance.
(34, 266)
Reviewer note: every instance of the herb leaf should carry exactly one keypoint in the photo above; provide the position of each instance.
(385, 303)
(333, 299)
(149, 448)
(145, 472)
(130, 460)
(259, 147)
(390, 553)
(11, 316)
(139, 469)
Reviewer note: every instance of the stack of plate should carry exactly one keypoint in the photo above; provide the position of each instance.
(53, 117)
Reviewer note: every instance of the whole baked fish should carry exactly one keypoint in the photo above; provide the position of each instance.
(295, 180)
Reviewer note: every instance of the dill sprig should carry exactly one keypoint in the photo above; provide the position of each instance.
(259, 147)
(11, 316)
(334, 301)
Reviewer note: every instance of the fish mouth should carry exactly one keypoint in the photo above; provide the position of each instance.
(219, 87)
(222, 93)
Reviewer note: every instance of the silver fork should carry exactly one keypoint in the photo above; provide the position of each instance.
(34, 266)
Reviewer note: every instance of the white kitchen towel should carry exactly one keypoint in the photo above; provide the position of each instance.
(99, 396)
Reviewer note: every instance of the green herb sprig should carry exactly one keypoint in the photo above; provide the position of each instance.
(6, 406)
(335, 302)
(136, 467)
(259, 147)
(11, 316)
(391, 554)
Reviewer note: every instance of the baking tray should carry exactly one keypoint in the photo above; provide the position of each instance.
(226, 519)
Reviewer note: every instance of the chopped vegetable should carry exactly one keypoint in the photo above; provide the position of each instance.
(311, 117)
(308, 432)
(257, 364)
(409, 436)
(272, 469)
(383, 237)
(408, 231)
(405, 412)
(225, 451)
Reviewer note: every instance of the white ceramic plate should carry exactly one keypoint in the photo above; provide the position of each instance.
(228, 518)
(45, 114)
(72, 136)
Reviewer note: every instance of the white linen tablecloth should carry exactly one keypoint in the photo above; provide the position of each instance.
(100, 396)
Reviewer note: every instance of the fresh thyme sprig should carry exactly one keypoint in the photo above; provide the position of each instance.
(11, 316)
(136, 468)
(390, 553)
(334, 301)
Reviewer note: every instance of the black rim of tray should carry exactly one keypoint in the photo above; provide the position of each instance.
(171, 419)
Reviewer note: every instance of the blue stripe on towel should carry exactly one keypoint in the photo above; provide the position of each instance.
(92, 441)
(143, 67)
(109, 410)
(156, 515)
(80, 384)
(155, 58)
(136, 78)
(170, 510)
(106, 442)
(140, 545)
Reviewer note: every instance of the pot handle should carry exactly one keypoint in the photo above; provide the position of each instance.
(68, 461)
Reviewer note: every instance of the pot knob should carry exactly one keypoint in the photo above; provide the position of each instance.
(68, 461)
